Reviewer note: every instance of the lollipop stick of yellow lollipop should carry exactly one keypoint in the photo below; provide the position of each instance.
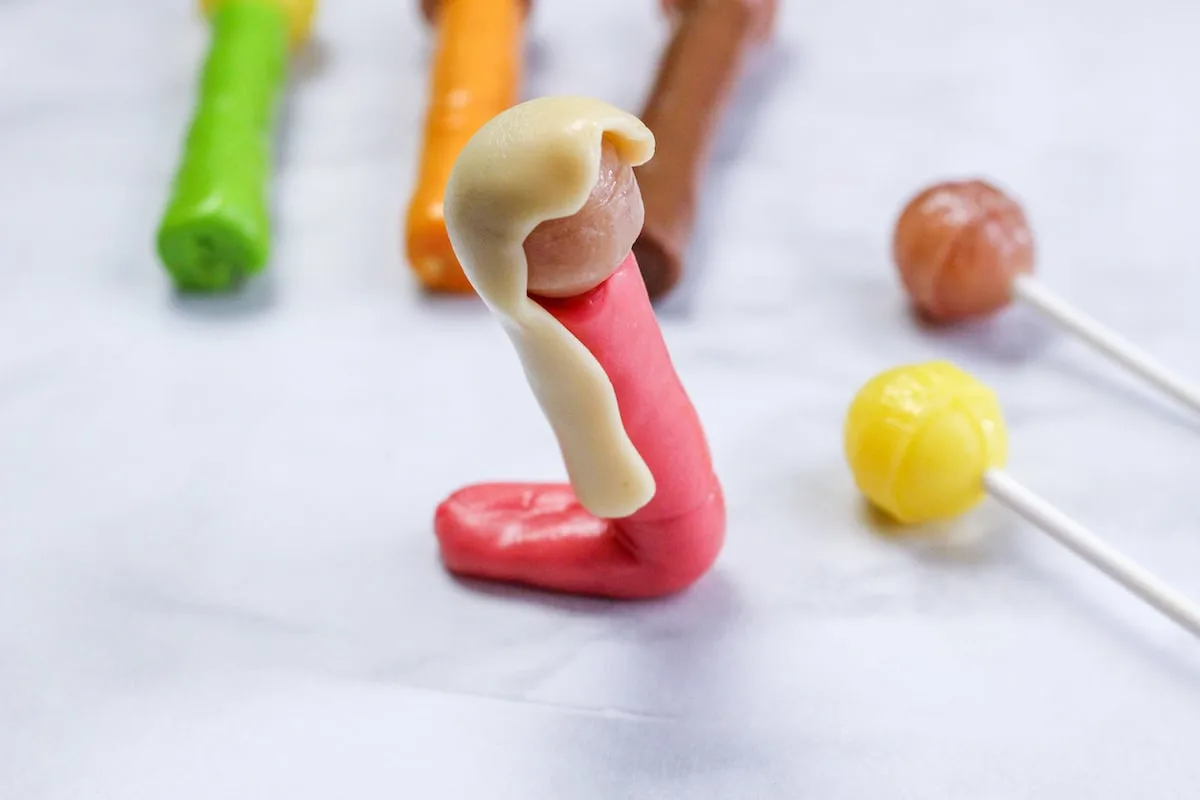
(927, 443)
(1088, 546)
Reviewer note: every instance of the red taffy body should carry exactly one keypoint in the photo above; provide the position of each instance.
(538, 534)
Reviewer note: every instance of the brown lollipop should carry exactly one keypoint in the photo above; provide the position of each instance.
(698, 69)
(964, 251)
(958, 246)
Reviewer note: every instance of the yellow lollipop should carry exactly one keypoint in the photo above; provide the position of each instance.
(919, 440)
(927, 442)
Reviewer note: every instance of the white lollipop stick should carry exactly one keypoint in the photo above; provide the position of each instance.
(1082, 542)
(1106, 340)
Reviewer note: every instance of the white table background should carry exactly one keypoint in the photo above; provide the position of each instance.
(218, 577)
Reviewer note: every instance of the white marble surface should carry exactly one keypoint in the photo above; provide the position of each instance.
(217, 573)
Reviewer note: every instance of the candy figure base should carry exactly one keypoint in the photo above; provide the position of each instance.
(537, 534)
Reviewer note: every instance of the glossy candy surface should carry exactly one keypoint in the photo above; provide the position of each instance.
(958, 245)
(919, 439)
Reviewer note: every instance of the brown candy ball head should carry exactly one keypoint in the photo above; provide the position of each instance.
(572, 255)
(958, 246)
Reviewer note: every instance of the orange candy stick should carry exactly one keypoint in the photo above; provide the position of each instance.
(476, 75)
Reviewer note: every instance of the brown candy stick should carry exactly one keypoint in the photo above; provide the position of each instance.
(695, 77)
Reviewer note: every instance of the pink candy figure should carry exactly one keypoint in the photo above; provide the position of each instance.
(543, 209)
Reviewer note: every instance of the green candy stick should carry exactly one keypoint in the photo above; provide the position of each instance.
(216, 230)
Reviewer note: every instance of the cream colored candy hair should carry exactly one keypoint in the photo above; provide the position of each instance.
(535, 162)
